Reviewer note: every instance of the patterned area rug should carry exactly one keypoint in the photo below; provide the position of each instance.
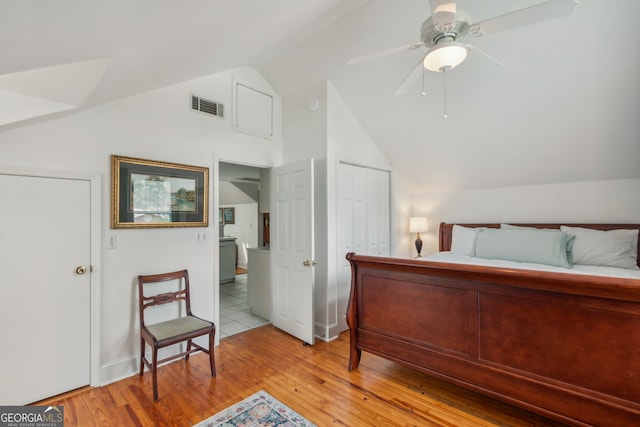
(261, 409)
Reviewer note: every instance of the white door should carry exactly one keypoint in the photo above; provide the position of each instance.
(292, 246)
(45, 304)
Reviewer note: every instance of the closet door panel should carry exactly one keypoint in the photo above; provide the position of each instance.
(363, 223)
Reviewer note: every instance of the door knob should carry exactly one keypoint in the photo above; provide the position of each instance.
(308, 263)
(81, 269)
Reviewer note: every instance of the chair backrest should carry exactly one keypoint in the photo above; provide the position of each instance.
(150, 299)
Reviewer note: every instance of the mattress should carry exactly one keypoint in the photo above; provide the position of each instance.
(592, 270)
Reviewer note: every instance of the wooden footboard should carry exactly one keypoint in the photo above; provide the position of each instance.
(564, 346)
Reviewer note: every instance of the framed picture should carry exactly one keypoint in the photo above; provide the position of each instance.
(152, 194)
(229, 215)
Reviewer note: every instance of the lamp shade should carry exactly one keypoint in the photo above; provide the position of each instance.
(445, 56)
(418, 224)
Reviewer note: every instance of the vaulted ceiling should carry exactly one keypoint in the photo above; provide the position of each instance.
(566, 109)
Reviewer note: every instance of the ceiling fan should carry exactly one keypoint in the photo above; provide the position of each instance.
(443, 33)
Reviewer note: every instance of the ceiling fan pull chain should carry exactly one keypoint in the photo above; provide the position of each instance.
(445, 93)
(423, 91)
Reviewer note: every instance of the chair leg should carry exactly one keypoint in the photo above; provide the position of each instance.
(212, 360)
(141, 356)
(188, 350)
(154, 370)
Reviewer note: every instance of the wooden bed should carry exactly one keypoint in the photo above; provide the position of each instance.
(562, 345)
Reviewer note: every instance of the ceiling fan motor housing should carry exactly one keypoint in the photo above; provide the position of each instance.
(431, 36)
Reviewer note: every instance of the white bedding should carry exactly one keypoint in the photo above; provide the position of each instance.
(593, 270)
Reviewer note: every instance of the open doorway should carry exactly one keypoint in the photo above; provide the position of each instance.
(242, 233)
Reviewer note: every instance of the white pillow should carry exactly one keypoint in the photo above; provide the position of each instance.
(611, 248)
(463, 240)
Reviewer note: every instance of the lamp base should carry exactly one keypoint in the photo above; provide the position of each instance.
(418, 245)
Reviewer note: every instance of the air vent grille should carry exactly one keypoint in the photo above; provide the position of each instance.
(206, 106)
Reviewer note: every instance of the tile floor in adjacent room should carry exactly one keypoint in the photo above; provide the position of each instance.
(235, 316)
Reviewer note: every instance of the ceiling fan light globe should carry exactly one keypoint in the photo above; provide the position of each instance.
(445, 56)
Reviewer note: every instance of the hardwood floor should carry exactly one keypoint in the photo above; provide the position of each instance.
(312, 380)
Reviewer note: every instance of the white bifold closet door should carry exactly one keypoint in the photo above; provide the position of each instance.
(363, 223)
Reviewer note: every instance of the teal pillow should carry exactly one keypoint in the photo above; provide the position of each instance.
(569, 244)
(547, 247)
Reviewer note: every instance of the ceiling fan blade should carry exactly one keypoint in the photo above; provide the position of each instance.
(443, 14)
(488, 56)
(382, 53)
(411, 79)
(530, 15)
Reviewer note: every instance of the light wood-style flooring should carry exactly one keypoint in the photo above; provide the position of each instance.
(312, 380)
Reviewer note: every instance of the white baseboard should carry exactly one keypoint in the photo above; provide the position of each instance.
(119, 369)
(129, 366)
(326, 332)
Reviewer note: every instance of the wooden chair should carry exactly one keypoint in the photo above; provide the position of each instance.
(183, 327)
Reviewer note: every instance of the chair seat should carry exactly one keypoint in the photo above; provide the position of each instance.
(175, 327)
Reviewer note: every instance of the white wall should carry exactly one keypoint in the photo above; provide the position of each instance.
(304, 135)
(612, 201)
(328, 134)
(158, 125)
(346, 141)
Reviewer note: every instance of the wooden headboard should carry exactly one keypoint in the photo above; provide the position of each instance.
(444, 237)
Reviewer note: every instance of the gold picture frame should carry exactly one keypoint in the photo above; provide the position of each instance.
(154, 194)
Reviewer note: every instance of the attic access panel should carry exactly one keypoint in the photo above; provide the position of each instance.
(253, 111)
